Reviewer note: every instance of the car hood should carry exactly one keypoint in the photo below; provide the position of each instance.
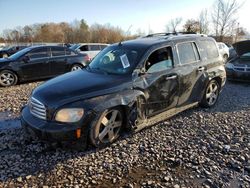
(79, 85)
(5, 60)
(242, 47)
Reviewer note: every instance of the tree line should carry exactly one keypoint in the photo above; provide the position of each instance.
(75, 32)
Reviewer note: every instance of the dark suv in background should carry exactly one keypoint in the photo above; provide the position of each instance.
(128, 86)
(39, 62)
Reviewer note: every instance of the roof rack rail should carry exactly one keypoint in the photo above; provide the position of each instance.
(169, 34)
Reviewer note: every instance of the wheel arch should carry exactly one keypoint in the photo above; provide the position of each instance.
(130, 102)
(219, 80)
(15, 72)
(75, 63)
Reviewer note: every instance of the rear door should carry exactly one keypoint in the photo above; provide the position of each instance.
(38, 65)
(191, 72)
(58, 61)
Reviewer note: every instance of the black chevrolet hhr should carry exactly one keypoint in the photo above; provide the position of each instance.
(128, 86)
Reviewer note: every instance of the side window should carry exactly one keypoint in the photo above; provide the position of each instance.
(210, 49)
(94, 47)
(160, 60)
(70, 52)
(103, 46)
(84, 48)
(38, 53)
(188, 52)
(57, 51)
(220, 46)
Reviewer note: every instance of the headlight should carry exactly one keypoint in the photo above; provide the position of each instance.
(69, 115)
(229, 66)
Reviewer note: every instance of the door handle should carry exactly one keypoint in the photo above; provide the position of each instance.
(201, 69)
(171, 77)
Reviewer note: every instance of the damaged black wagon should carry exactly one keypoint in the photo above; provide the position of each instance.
(128, 86)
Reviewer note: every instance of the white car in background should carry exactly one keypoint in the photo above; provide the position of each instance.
(224, 51)
(91, 49)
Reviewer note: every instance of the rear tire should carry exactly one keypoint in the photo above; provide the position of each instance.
(76, 67)
(211, 94)
(106, 128)
(8, 78)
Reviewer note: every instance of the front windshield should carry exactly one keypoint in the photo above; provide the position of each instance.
(115, 59)
(19, 53)
(246, 55)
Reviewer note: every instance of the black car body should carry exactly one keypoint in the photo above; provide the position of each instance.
(132, 84)
(238, 68)
(10, 50)
(39, 62)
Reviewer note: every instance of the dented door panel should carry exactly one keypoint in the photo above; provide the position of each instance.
(160, 90)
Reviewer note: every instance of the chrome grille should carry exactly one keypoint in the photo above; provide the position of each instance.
(37, 108)
(244, 68)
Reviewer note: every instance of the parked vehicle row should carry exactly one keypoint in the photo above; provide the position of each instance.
(127, 86)
(39, 62)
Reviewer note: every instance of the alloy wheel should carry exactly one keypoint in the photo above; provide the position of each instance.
(212, 93)
(109, 126)
(7, 79)
(76, 67)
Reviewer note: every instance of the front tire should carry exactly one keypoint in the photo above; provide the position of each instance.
(8, 78)
(106, 129)
(211, 94)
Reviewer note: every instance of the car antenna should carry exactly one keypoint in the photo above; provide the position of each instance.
(120, 43)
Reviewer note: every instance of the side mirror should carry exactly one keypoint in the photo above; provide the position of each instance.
(26, 59)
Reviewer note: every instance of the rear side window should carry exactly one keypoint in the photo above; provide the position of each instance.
(103, 46)
(209, 48)
(57, 51)
(188, 52)
(38, 53)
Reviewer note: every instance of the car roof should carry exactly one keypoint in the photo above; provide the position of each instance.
(151, 40)
(92, 44)
(45, 46)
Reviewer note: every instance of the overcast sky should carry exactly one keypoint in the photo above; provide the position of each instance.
(128, 14)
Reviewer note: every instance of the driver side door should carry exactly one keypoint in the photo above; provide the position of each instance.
(160, 81)
(37, 66)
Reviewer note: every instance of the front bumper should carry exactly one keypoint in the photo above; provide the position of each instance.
(237, 75)
(53, 131)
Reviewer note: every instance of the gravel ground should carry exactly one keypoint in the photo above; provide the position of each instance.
(197, 148)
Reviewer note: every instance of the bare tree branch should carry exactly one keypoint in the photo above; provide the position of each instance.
(173, 24)
(224, 16)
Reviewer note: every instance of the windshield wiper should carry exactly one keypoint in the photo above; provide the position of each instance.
(96, 69)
